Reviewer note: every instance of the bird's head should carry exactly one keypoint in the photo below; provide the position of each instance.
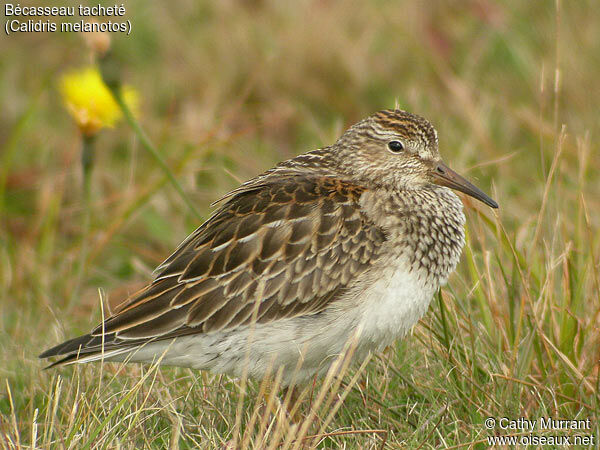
(397, 148)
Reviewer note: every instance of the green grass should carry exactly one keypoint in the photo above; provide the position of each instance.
(229, 89)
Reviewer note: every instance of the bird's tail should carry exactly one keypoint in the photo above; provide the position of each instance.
(85, 349)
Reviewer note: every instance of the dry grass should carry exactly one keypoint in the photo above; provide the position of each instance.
(228, 89)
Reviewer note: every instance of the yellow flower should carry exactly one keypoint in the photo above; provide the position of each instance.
(91, 103)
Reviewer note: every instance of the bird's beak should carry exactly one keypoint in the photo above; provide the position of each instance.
(445, 176)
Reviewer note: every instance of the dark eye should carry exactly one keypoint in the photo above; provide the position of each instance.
(395, 146)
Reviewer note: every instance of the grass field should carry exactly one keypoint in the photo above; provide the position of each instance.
(228, 88)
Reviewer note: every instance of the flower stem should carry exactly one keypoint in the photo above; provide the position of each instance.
(87, 163)
(147, 144)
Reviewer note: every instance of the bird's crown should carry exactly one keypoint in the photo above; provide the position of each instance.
(394, 123)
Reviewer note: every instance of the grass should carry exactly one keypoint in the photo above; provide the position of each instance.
(229, 89)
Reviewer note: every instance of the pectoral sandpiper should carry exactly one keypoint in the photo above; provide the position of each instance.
(349, 241)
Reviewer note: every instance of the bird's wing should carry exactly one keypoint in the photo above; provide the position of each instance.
(282, 249)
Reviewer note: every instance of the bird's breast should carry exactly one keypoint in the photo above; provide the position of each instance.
(425, 239)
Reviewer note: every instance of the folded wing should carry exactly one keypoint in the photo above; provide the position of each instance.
(278, 250)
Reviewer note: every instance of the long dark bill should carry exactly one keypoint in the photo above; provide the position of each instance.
(445, 176)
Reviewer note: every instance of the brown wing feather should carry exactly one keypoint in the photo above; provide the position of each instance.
(283, 249)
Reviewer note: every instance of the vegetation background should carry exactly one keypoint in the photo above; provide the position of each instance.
(228, 88)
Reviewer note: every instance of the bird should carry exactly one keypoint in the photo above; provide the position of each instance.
(348, 242)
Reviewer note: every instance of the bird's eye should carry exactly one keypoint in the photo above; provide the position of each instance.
(395, 146)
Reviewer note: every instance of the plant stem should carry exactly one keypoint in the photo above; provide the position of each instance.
(147, 144)
(87, 164)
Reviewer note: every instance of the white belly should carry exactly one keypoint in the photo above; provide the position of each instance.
(393, 304)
